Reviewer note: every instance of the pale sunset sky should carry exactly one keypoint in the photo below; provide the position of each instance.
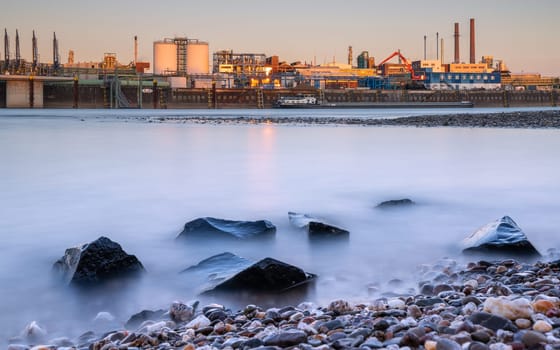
(525, 34)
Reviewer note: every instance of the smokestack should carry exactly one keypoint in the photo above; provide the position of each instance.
(135, 50)
(424, 47)
(350, 58)
(457, 58)
(437, 45)
(473, 56)
(442, 62)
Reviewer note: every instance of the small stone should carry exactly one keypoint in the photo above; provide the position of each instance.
(510, 309)
(480, 336)
(501, 269)
(286, 338)
(477, 346)
(471, 283)
(200, 321)
(430, 345)
(414, 311)
(181, 312)
(542, 326)
(500, 346)
(372, 343)
(523, 323)
(531, 338)
(339, 306)
(492, 322)
(543, 306)
(396, 304)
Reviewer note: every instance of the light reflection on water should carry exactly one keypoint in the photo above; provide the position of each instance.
(67, 181)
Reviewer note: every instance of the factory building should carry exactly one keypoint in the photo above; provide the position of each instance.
(181, 57)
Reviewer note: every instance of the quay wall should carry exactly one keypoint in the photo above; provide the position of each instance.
(95, 96)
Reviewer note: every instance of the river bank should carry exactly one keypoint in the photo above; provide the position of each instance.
(500, 305)
(518, 119)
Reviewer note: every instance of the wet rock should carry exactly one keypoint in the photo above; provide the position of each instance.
(316, 227)
(181, 312)
(510, 309)
(532, 338)
(266, 275)
(522, 323)
(286, 338)
(210, 272)
(502, 236)
(97, 262)
(429, 302)
(200, 321)
(34, 333)
(137, 319)
(492, 322)
(447, 344)
(211, 228)
(480, 336)
(339, 307)
(477, 346)
(542, 326)
(372, 343)
(394, 203)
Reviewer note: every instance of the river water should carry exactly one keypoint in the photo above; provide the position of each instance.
(68, 177)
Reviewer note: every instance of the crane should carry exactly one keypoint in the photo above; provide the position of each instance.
(407, 65)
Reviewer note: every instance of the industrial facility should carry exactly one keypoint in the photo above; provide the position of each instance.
(183, 71)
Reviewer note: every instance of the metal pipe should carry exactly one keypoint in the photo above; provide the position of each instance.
(31, 92)
(437, 45)
(442, 57)
(424, 47)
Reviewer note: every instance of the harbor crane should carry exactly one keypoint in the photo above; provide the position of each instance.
(406, 63)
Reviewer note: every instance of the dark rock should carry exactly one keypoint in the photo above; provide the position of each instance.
(267, 275)
(393, 203)
(97, 262)
(136, 320)
(429, 302)
(481, 336)
(364, 332)
(532, 338)
(252, 343)
(446, 344)
(286, 338)
(410, 339)
(330, 325)
(372, 343)
(492, 322)
(502, 237)
(220, 228)
(212, 271)
(478, 346)
(316, 227)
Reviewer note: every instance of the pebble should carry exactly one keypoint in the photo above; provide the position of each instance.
(510, 309)
(542, 326)
(181, 312)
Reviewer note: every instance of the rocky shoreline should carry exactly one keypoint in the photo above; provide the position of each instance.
(546, 119)
(499, 305)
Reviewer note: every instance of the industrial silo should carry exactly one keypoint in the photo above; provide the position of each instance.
(197, 57)
(165, 57)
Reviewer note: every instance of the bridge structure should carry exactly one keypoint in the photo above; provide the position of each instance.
(26, 91)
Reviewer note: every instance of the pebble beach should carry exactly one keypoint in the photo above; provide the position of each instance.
(496, 305)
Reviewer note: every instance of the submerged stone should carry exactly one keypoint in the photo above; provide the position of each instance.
(393, 203)
(502, 236)
(96, 262)
(268, 275)
(316, 227)
(209, 227)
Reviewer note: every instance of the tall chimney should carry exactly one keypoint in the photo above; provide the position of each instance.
(473, 56)
(457, 58)
(441, 56)
(135, 50)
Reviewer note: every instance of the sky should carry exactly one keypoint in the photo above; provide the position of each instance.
(525, 34)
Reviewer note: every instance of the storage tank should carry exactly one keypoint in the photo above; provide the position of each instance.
(198, 58)
(165, 57)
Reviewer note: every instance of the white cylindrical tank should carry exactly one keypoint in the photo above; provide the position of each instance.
(165, 57)
(197, 58)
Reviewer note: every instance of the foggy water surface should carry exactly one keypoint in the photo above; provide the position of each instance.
(69, 177)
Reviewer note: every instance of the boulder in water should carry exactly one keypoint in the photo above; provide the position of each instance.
(97, 262)
(209, 227)
(394, 203)
(267, 275)
(502, 236)
(210, 272)
(316, 227)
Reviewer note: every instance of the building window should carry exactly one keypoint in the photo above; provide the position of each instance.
(485, 77)
(492, 78)
(478, 77)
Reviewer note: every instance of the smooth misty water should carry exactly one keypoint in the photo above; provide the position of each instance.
(68, 177)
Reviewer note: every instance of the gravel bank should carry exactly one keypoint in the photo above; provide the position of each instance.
(524, 120)
(501, 305)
